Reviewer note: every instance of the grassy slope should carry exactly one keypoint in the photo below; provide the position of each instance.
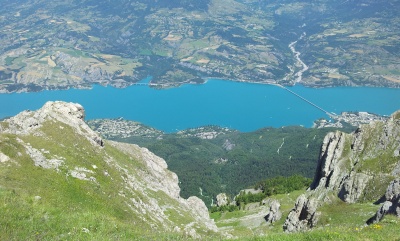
(340, 221)
(45, 204)
(254, 158)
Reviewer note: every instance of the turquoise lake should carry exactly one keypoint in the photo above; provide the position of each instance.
(242, 106)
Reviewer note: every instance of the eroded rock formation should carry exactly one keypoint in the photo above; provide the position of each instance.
(303, 216)
(392, 203)
(274, 213)
(354, 167)
(56, 138)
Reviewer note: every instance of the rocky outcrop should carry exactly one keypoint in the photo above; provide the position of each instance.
(71, 114)
(200, 212)
(348, 163)
(353, 186)
(353, 167)
(161, 178)
(303, 216)
(335, 171)
(392, 203)
(140, 179)
(274, 213)
(329, 173)
(222, 199)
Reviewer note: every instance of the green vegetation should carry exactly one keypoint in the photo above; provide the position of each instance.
(233, 161)
(43, 204)
(225, 208)
(280, 185)
(38, 203)
(345, 43)
(267, 188)
(273, 186)
(386, 230)
(338, 221)
(244, 198)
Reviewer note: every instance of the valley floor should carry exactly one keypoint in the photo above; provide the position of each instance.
(340, 221)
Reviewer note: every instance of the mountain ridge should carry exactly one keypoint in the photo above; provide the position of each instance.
(75, 169)
(362, 166)
(58, 181)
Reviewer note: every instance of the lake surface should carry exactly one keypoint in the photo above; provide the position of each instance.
(242, 106)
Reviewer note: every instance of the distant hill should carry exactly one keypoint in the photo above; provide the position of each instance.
(58, 45)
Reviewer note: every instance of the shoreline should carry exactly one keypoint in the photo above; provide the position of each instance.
(90, 86)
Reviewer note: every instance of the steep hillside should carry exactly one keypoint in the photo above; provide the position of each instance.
(359, 166)
(355, 194)
(210, 160)
(362, 167)
(60, 180)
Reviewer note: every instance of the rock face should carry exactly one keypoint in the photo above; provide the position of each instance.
(274, 213)
(303, 216)
(68, 113)
(392, 203)
(334, 172)
(354, 167)
(329, 174)
(56, 138)
(350, 163)
(222, 199)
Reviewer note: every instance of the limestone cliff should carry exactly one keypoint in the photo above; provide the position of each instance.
(55, 141)
(359, 166)
(353, 167)
(392, 203)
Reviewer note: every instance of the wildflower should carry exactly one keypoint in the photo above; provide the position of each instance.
(377, 226)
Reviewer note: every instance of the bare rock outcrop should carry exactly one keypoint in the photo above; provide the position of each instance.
(329, 173)
(140, 178)
(274, 213)
(161, 178)
(222, 199)
(157, 177)
(303, 216)
(349, 162)
(353, 186)
(200, 212)
(353, 167)
(335, 171)
(392, 203)
(71, 114)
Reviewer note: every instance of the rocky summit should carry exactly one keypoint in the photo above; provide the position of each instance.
(363, 166)
(61, 180)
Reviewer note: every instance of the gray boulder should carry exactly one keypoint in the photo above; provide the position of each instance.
(303, 216)
(274, 213)
(392, 203)
(222, 199)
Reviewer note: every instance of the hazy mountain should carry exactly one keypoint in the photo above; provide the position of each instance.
(62, 44)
